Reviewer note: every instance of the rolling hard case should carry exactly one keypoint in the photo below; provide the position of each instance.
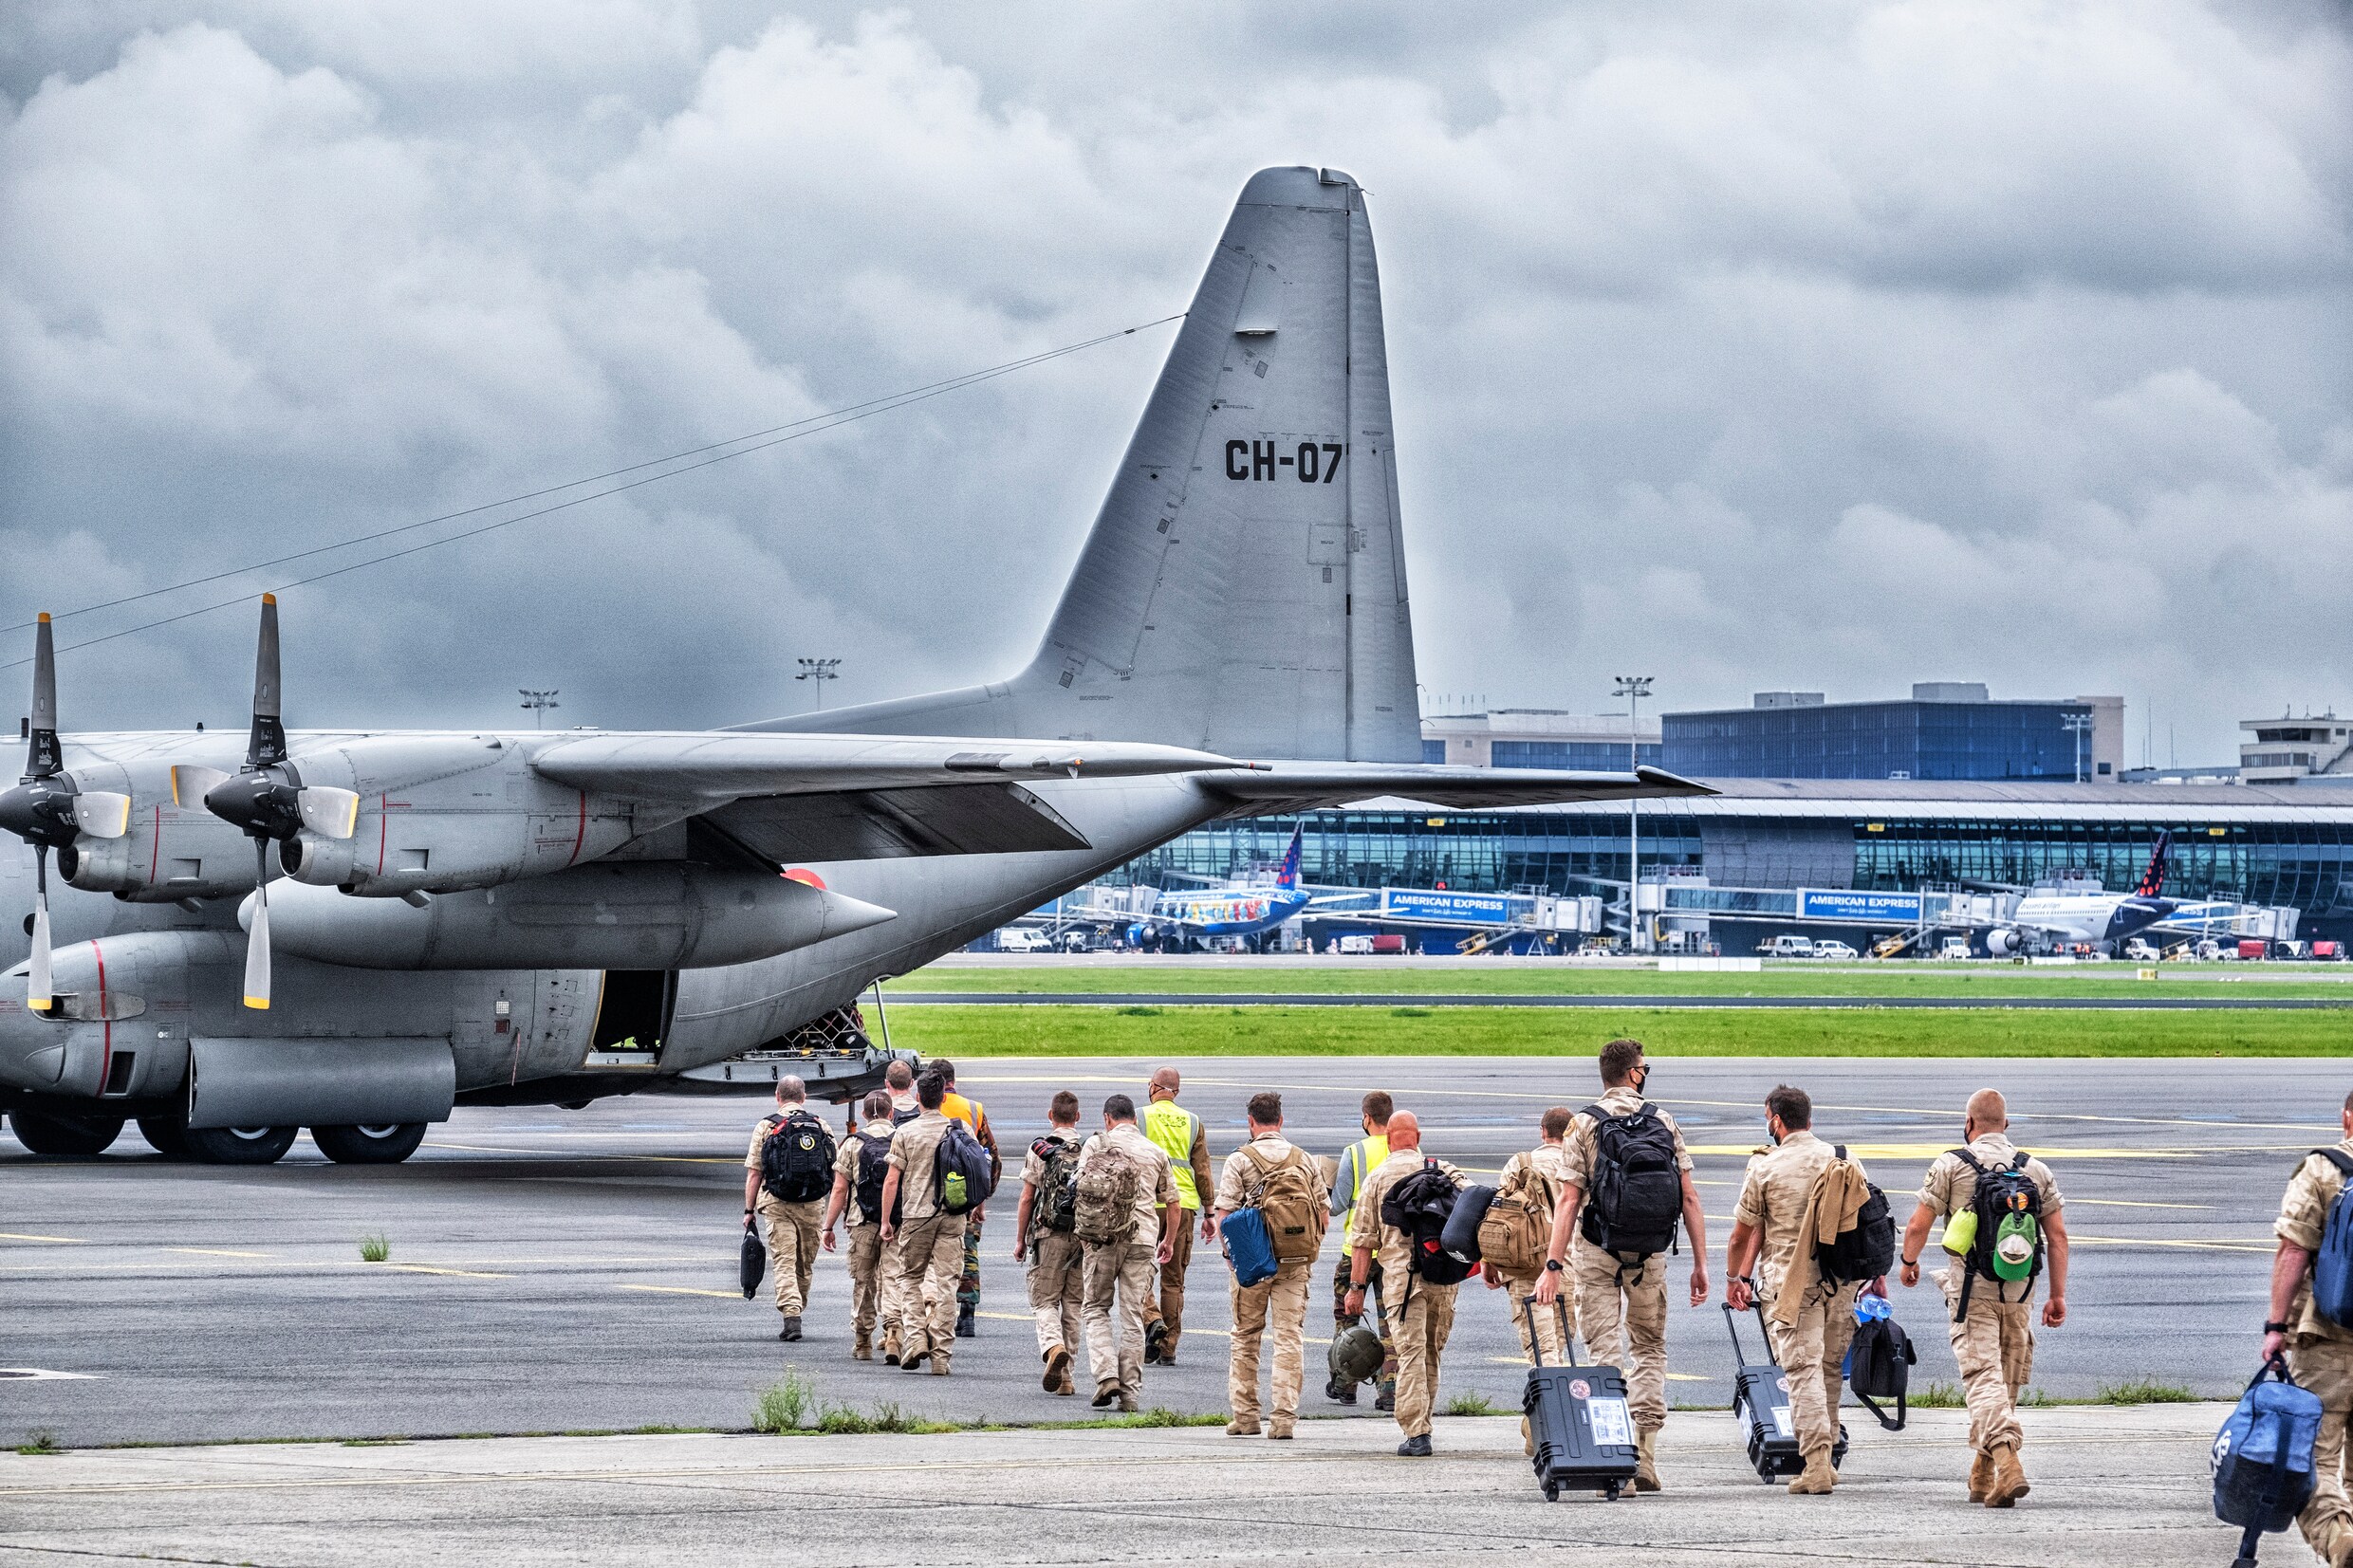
(1761, 1404)
(1576, 1418)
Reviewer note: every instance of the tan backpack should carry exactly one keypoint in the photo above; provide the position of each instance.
(1286, 1203)
(1104, 1210)
(1516, 1234)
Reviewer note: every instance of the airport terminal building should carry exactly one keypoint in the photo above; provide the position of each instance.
(2288, 846)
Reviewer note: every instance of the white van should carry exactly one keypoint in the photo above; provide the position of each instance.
(1786, 946)
(1833, 949)
(1023, 939)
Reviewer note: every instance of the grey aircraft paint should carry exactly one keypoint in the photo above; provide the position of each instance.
(1242, 593)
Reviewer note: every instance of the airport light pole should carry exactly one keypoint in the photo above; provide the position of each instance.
(538, 702)
(2078, 725)
(1633, 688)
(818, 671)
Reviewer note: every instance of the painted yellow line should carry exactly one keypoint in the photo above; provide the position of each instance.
(215, 1252)
(684, 1290)
(2074, 1236)
(651, 1159)
(69, 1241)
(2128, 1203)
(453, 1273)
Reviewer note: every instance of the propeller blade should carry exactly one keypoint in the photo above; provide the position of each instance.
(190, 783)
(257, 934)
(329, 812)
(37, 986)
(266, 746)
(102, 813)
(40, 756)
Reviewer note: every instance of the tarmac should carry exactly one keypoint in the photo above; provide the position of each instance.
(2110, 1487)
(556, 1271)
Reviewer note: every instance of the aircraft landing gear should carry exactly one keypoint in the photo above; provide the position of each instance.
(388, 1145)
(169, 1136)
(240, 1145)
(63, 1136)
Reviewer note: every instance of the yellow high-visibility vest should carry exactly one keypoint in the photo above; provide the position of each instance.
(1172, 1127)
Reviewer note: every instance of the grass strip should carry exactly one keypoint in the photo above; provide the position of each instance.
(1063, 1030)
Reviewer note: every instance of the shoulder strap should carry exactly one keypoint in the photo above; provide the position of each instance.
(1600, 1112)
(2019, 1163)
(1838, 1150)
(2336, 1158)
(1967, 1158)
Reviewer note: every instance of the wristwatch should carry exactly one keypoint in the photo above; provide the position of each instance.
(2275, 1328)
(1911, 1262)
(1552, 1265)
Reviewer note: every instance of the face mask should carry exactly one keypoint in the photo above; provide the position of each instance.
(1772, 1136)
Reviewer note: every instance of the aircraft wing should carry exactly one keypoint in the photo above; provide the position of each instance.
(703, 767)
(1279, 788)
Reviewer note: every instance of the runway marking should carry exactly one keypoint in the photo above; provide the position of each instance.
(68, 1241)
(2128, 1203)
(1522, 1361)
(429, 1268)
(2186, 1246)
(655, 1159)
(216, 1252)
(682, 1290)
(1931, 1151)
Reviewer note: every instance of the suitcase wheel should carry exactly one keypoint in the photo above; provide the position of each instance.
(1611, 1491)
(1552, 1492)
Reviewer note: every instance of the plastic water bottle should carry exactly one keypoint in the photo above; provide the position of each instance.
(1871, 1306)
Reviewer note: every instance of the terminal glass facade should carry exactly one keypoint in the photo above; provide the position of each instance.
(1590, 756)
(1469, 854)
(2309, 865)
(1877, 740)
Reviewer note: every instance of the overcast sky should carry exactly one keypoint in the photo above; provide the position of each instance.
(1832, 347)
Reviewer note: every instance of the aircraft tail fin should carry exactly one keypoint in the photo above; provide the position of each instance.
(2153, 879)
(1243, 588)
(1287, 876)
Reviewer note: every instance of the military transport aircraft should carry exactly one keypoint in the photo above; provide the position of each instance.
(351, 932)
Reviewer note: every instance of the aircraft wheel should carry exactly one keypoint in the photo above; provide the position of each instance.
(61, 1137)
(169, 1135)
(240, 1145)
(387, 1145)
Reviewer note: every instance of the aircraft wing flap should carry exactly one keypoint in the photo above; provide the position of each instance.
(704, 767)
(889, 824)
(1303, 787)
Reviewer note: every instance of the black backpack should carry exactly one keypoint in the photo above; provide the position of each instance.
(1879, 1366)
(796, 1158)
(1056, 1207)
(2002, 1192)
(1864, 1250)
(1419, 1205)
(962, 1173)
(1637, 1194)
(874, 1166)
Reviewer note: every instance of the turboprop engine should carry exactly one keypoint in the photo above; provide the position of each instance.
(655, 914)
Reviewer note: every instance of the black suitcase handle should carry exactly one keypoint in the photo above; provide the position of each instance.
(1732, 1323)
(1535, 1341)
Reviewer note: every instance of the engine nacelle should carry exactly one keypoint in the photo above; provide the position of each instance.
(2005, 944)
(101, 865)
(624, 915)
(320, 862)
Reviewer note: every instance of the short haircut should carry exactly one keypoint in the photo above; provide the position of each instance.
(2348, 1102)
(899, 1075)
(1120, 1108)
(1266, 1108)
(1793, 1106)
(1065, 1108)
(929, 1090)
(792, 1091)
(876, 1105)
(946, 1070)
(1619, 1060)
(1379, 1107)
(1556, 1121)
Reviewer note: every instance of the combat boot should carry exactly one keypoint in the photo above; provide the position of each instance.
(1064, 1386)
(1280, 1429)
(1415, 1447)
(1980, 1476)
(2010, 1479)
(964, 1321)
(864, 1350)
(1339, 1393)
(1646, 1466)
(1819, 1478)
(791, 1329)
(1387, 1399)
(1058, 1371)
(1239, 1428)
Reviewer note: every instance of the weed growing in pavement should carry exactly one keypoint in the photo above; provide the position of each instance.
(41, 1440)
(2142, 1390)
(1471, 1404)
(1939, 1396)
(373, 1247)
(783, 1402)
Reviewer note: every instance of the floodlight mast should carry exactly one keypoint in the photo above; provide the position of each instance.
(538, 702)
(817, 671)
(2077, 725)
(1633, 688)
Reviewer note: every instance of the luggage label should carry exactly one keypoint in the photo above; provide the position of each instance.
(1611, 1422)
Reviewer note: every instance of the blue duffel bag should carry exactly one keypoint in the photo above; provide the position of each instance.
(1249, 1248)
(2262, 1457)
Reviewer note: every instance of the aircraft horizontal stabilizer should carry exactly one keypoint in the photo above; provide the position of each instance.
(1304, 787)
(702, 768)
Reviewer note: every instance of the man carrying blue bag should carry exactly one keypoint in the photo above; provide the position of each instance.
(1272, 1208)
(2264, 1472)
(2311, 1323)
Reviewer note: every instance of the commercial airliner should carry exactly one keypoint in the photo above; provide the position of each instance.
(2063, 914)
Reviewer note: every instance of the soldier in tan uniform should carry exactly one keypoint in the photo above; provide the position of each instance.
(927, 1245)
(2320, 1353)
(1812, 1325)
(1622, 1304)
(1118, 1274)
(791, 1227)
(869, 1302)
(1994, 1342)
(1056, 1258)
(1277, 1308)
(1540, 1172)
(1424, 1313)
